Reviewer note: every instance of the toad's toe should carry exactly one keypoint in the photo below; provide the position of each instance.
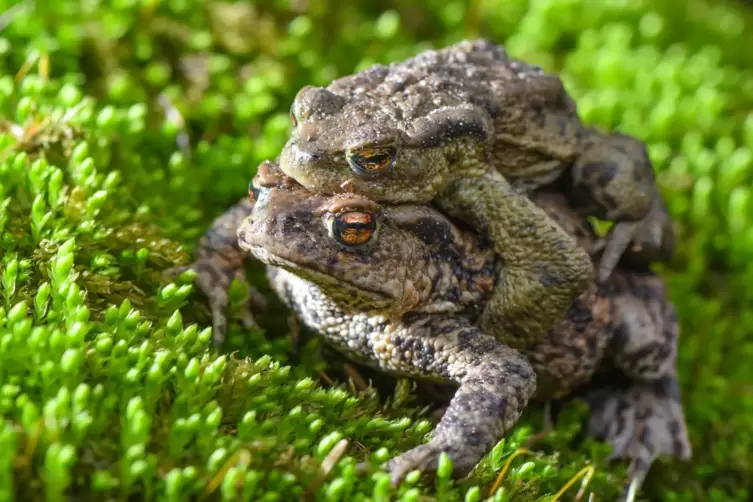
(425, 458)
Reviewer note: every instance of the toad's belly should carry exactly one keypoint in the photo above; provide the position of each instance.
(565, 359)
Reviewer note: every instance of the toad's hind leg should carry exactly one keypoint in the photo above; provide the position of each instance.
(644, 344)
(544, 267)
(219, 260)
(496, 383)
(613, 179)
(643, 418)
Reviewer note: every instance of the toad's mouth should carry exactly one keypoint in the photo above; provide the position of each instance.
(329, 282)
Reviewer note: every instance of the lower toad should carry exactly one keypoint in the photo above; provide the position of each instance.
(402, 288)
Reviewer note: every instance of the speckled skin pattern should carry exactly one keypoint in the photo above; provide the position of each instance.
(409, 302)
(456, 119)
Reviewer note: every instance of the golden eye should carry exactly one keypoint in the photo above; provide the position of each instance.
(354, 228)
(372, 161)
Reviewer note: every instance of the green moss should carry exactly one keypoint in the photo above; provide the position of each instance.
(128, 127)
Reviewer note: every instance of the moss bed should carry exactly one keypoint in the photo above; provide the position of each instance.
(129, 125)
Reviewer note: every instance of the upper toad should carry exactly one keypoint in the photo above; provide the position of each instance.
(439, 126)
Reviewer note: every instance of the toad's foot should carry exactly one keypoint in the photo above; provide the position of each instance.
(424, 458)
(219, 260)
(645, 241)
(496, 383)
(613, 179)
(641, 422)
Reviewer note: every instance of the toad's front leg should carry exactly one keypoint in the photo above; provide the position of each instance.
(219, 260)
(544, 267)
(496, 383)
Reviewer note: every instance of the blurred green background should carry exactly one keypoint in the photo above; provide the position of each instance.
(127, 126)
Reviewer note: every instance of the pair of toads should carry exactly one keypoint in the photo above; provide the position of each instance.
(429, 218)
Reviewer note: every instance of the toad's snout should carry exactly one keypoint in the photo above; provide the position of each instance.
(256, 231)
(265, 231)
(245, 233)
(296, 155)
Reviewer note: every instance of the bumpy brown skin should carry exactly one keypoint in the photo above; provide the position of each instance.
(643, 417)
(219, 260)
(407, 300)
(453, 115)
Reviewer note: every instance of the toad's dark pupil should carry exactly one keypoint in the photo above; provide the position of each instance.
(371, 161)
(354, 229)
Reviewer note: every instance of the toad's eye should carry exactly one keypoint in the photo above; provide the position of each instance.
(354, 228)
(372, 161)
(253, 192)
(292, 115)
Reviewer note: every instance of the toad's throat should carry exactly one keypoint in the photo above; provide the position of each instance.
(338, 287)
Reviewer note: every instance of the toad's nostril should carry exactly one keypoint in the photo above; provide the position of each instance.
(303, 156)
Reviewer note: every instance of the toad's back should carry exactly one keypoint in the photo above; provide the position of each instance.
(530, 109)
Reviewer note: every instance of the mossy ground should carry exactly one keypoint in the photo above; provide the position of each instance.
(129, 125)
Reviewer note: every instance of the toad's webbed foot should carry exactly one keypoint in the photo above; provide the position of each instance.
(613, 179)
(641, 422)
(544, 267)
(219, 260)
(496, 383)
